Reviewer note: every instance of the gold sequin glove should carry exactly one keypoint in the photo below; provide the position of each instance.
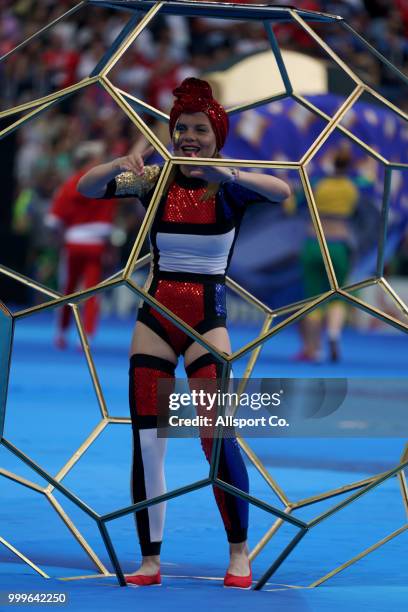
(129, 184)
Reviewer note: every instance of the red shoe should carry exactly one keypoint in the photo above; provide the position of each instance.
(301, 356)
(304, 357)
(142, 580)
(238, 582)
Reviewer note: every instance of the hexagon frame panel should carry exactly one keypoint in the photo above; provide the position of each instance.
(269, 15)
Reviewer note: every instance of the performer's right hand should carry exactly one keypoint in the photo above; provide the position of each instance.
(130, 163)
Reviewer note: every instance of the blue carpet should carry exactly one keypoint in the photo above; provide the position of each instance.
(51, 410)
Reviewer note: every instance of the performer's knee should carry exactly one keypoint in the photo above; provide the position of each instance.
(206, 366)
(145, 372)
(205, 373)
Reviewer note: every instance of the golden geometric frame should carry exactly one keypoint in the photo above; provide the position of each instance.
(129, 104)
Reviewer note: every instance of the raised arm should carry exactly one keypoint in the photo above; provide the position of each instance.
(93, 183)
(271, 187)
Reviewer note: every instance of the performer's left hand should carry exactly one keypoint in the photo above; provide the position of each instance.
(211, 174)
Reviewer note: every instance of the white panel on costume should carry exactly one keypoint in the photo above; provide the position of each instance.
(153, 453)
(88, 233)
(195, 253)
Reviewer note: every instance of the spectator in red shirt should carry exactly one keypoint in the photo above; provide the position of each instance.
(60, 63)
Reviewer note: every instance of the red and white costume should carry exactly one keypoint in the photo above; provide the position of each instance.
(87, 225)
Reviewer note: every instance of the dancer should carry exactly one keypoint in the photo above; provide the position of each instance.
(86, 226)
(192, 239)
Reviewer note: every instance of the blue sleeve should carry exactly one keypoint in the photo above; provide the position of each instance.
(242, 196)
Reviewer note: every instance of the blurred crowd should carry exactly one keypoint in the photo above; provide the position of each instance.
(170, 49)
(174, 46)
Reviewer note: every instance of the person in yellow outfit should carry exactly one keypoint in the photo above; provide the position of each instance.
(336, 199)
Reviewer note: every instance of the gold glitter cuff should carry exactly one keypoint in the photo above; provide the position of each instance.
(129, 184)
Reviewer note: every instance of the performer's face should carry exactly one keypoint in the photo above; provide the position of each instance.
(194, 136)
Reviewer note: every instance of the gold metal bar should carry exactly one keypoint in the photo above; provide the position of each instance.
(307, 501)
(297, 315)
(395, 298)
(178, 322)
(131, 38)
(278, 57)
(240, 108)
(281, 558)
(91, 366)
(119, 420)
(39, 109)
(39, 470)
(239, 163)
(146, 107)
(148, 218)
(374, 51)
(68, 13)
(282, 310)
(116, 276)
(134, 117)
(267, 536)
(139, 264)
(403, 480)
(404, 489)
(27, 281)
(50, 97)
(314, 109)
(325, 47)
(398, 166)
(16, 124)
(384, 221)
(376, 482)
(263, 471)
(22, 481)
(5, 311)
(369, 150)
(7, 333)
(86, 576)
(310, 106)
(78, 454)
(374, 311)
(364, 553)
(78, 296)
(314, 213)
(142, 261)
(23, 558)
(362, 284)
(77, 534)
(124, 32)
(246, 295)
(332, 125)
(386, 102)
(252, 360)
(255, 353)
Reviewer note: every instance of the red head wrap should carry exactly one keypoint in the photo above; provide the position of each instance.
(195, 96)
